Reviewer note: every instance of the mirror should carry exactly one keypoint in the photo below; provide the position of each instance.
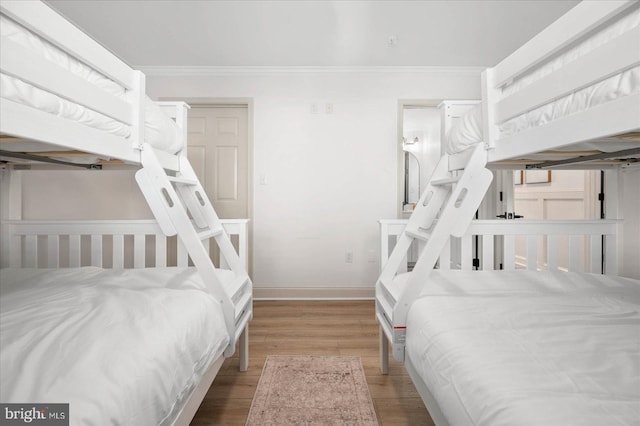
(421, 149)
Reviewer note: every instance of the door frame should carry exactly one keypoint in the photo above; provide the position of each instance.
(233, 102)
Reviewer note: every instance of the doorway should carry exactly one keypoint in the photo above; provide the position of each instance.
(220, 152)
(418, 150)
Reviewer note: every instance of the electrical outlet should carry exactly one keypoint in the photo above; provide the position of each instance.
(348, 257)
(314, 108)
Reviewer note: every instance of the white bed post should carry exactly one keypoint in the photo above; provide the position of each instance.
(613, 182)
(489, 98)
(138, 110)
(10, 209)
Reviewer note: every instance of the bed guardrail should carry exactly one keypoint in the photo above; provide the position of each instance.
(566, 245)
(109, 244)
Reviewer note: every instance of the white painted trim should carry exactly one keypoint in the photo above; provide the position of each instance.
(313, 293)
(176, 71)
(198, 393)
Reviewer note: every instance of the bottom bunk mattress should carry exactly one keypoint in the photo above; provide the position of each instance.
(525, 347)
(120, 346)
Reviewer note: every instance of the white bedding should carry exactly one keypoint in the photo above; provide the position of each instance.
(468, 130)
(121, 346)
(160, 130)
(524, 347)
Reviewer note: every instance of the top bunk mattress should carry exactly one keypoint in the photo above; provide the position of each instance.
(526, 347)
(160, 130)
(120, 346)
(468, 130)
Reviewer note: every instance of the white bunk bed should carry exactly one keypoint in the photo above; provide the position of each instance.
(150, 337)
(539, 346)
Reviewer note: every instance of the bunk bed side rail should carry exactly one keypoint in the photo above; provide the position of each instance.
(587, 68)
(32, 68)
(48, 24)
(574, 25)
(617, 55)
(103, 243)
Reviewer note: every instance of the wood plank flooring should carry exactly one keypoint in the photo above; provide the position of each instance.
(312, 328)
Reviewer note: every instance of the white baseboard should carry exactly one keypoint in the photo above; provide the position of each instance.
(314, 293)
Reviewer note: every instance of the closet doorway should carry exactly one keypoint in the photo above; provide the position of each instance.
(219, 149)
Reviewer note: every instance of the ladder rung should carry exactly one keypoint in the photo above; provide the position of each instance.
(210, 233)
(183, 181)
(446, 181)
(235, 285)
(241, 305)
(387, 309)
(419, 234)
(385, 283)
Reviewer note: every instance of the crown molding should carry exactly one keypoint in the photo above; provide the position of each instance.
(211, 71)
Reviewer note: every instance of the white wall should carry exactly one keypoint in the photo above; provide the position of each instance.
(81, 194)
(330, 177)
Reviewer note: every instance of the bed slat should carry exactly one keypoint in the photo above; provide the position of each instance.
(595, 251)
(53, 251)
(15, 259)
(74, 251)
(118, 251)
(487, 252)
(183, 255)
(22, 63)
(161, 251)
(532, 252)
(31, 251)
(467, 253)
(611, 249)
(139, 245)
(552, 252)
(574, 252)
(96, 250)
(509, 253)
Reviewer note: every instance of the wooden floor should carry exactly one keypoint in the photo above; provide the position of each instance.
(312, 328)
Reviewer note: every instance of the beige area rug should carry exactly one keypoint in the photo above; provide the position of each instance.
(312, 390)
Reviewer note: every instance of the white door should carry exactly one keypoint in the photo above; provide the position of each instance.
(218, 149)
(219, 152)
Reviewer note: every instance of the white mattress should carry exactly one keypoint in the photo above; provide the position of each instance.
(121, 347)
(160, 130)
(529, 348)
(468, 130)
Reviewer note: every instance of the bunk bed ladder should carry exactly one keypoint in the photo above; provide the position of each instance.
(180, 205)
(445, 208)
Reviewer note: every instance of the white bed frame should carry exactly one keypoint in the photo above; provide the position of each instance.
(24, 122)
(114, 244)
(554, 245)
(617, 117)
(614, 118)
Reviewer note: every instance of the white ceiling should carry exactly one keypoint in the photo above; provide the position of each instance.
(312, 33)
